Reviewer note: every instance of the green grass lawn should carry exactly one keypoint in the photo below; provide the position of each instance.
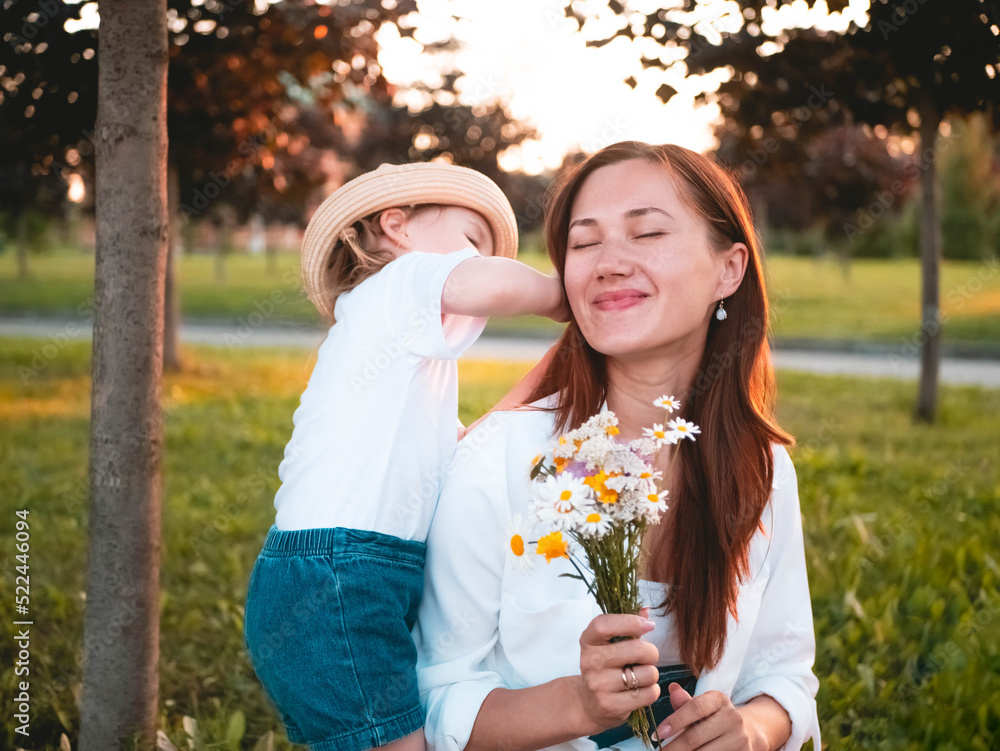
(878, 301)
(901, 528)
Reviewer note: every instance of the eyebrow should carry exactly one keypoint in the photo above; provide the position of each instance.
(630, 214)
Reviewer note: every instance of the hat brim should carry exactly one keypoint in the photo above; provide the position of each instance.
(400, 185)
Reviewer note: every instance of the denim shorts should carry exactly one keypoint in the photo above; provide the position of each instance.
(327, 627)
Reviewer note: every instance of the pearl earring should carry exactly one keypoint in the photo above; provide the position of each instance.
(721, 314)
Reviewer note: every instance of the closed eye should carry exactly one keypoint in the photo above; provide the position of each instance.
(578, 246)
(657, 233)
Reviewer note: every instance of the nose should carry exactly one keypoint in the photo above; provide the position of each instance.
(612, 259)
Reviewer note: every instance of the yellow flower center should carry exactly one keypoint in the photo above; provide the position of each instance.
(653, 498)
(659, 434)
(517, 545)
(594, 518)
(565, 495)
(645, 475)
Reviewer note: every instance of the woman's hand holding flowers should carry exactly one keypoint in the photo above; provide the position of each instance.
(604, 698)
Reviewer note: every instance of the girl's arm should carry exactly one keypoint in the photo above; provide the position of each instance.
(499, 286)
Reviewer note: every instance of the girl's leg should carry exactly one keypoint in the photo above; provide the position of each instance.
(412, 742)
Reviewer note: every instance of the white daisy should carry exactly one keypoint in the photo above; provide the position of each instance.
(518, 532)
(561, 500)
(669, 403)
(681, 428)
(659, 434)
(657, 500)
(595, 524)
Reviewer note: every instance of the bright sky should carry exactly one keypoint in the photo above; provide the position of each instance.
(529, 55)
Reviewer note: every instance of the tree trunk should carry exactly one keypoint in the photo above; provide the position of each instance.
(223, 238)
(22, 245)
(272, 260)
(930, 262)
(172, 303)
(121, 622)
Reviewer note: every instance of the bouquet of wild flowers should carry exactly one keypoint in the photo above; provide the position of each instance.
(603, 493)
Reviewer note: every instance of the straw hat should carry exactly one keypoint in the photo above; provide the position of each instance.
(400, 185)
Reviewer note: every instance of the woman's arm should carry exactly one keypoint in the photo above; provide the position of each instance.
(457, 625)
(770, 721)
(782, 647)
(488, 286)
(527, 719)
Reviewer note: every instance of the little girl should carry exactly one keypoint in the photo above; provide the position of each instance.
(407, 262)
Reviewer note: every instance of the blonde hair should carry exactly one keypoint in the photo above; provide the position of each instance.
(356, 254)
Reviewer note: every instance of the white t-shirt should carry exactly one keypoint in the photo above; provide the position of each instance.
(376, 428)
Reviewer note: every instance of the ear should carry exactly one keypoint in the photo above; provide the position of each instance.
(734, 266)
(393, 223)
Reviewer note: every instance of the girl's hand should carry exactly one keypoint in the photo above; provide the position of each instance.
(707, 721)
(604, 699)
(560, 312)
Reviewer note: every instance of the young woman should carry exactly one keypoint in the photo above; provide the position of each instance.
(660, 263)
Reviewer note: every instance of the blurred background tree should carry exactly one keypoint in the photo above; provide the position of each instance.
(910, 66)
(246, 81)
(267, 104)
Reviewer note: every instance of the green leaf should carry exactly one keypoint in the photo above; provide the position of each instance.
(237, 728)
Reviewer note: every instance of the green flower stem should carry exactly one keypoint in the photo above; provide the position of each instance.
(614, 561)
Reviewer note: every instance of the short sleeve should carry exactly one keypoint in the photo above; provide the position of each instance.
(414, 284)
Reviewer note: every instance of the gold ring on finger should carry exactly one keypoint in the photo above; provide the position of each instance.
(633, 683)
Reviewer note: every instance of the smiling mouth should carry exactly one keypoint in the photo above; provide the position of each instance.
(619, 300)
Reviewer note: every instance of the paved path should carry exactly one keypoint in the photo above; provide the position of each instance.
(898, 364)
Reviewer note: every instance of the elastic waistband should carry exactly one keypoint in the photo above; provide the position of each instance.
(337, 540)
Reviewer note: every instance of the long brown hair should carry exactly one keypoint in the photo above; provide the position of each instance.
(722, 482)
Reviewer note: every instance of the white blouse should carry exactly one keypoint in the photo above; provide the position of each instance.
(485, 623)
